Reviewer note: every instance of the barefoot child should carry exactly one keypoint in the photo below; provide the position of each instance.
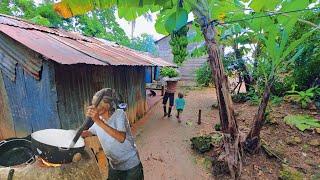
(180, 102)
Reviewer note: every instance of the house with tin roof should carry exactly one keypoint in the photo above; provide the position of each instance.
(48, 76)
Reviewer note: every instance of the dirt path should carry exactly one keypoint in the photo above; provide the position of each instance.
(164, 144)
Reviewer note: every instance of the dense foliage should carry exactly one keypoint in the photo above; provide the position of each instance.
(303, 98)
(98, 23)
(144, 43)
(305, 70)
(204, 75)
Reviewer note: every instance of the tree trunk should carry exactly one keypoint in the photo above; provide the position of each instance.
(226, 112)
(253, 138)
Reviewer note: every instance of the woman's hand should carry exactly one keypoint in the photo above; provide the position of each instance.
(86, 133)
(94, 114)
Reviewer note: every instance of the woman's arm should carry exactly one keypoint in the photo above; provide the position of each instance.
(118, 135)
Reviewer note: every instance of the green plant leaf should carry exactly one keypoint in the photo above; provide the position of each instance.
(234, 29)
(302, 122)
(260, 5)
(294, 44)
(176, 20)
(294, 5)
(160, 22)
(197, 34)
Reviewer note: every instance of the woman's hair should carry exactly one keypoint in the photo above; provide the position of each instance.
(180, 95)
(109, 96)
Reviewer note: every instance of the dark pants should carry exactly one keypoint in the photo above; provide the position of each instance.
(135, 173)
(169, 96)
(179, 111)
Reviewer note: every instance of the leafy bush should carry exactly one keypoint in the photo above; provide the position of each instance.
(169, 72)
(276, 100)
(305, 70)
(204, 75)
(240, 97)
(304, 98)
(302, 122)
(254, 98)
(217, 127)
(280, 87)
(202, 143)
(307, 73)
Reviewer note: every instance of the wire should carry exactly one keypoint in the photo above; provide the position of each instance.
(262, 16)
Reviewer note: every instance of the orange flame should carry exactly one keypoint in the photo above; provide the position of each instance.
(49, 164)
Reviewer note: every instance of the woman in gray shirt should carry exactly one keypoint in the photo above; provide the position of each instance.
(113, 130)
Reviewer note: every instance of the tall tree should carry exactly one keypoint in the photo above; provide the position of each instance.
(144, 43)
(98, 23)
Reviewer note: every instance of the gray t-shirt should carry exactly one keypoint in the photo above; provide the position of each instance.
(122, 156)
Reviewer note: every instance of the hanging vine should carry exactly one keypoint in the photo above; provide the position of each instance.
(179, 43)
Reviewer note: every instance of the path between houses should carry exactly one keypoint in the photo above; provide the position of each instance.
(164, 144)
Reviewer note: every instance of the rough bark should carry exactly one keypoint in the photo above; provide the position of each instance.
(229, 125)
(252, 142)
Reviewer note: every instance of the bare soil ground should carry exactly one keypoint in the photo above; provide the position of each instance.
(279, 136)
(165, 150)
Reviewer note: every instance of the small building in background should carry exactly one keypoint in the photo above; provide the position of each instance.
(189, 67)
(48, 76)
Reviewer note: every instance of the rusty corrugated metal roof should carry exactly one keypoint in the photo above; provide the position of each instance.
(72, 48)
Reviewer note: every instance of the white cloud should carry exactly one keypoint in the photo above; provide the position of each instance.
(142, 26)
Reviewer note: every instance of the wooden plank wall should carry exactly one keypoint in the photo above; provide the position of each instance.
(76, 84)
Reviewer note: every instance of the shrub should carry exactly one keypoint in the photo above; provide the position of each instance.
(217, 127)
(304, 98)
(276, 100)
(240, 97)
(204, 75)
(302, 122)
(254, 98)
(280, 87)
(201, 143)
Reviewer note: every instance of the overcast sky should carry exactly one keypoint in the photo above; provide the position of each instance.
(142, 26)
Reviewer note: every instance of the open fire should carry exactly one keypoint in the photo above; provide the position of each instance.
(46, 163)
(86, 168)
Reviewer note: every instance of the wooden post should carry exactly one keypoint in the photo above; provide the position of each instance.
(199, 117)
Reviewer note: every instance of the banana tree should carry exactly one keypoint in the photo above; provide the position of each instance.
(274, 33)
